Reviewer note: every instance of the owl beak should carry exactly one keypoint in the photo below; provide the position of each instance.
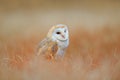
(62, 36)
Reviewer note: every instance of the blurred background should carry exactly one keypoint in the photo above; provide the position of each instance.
(94, 51)
(36, 15)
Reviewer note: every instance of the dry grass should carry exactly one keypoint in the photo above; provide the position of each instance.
(92, 55)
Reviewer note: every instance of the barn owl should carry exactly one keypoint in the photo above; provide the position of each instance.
(56, 42)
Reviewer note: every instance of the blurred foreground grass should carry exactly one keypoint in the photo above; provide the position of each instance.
(92, 55)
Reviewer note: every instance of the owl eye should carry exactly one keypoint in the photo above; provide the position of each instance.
(58, 32)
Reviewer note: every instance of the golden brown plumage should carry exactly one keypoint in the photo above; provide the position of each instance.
(47, 48)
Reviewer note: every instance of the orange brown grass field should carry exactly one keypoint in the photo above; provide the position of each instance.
(91, 55)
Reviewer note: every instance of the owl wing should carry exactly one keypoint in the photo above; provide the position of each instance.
(43, 42)
(47, 47)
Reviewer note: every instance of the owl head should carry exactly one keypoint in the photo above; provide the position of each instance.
(59, 33)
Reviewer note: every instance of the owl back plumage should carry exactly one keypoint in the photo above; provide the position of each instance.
(47, 48)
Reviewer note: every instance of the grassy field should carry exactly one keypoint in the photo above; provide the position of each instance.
(92, 55)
